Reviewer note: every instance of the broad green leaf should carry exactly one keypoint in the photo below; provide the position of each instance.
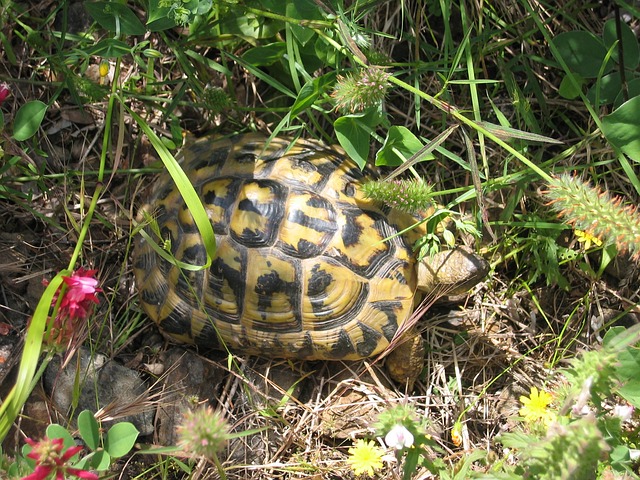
(266, 54)
(159, 18)
(633, 90)
(115, 17)
(302, 34)
(619, 457)
(620, 340)
(567, 89)
(28, 119)
(517, 440)
(583, 52)
(354, 131)
(609, 85)
(109, 48)
(250, 26)
(353, 137)
(630, 391)
(303, 10)
(327, 56)
(630, 48)
(621, 128)
(58, 431)
(100, 460)
(89, 429)
(628, 372)
(310, 92)
(199, 7)
(120, 439)
(398, 147)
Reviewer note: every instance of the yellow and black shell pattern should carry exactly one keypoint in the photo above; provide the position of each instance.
(305, 266)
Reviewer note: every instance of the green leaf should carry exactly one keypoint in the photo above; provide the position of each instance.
(583, 52)
(159, 18)
(327, 56)
(411, 463)
(627, 365)
(517, 440)
(250, 26)
(399, 146)
(100, 460)
(97, 460)
(266, 54)
(199, 7)
(620, 457)
(14, 401)
(120, 439)
(28, 119)
(310, 92)
(190, 196)
(630, 48)
(109, 48)
(353, 137)
(621, 128)
(89, 429)
(302, 10)
(567, 89)
(115, 17)
(609, 85)
(58, 431)
(633, 90)
(628, 370)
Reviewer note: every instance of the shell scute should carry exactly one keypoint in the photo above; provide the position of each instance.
(258, 213)
(309, 225)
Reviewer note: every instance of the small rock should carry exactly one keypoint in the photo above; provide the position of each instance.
(104, 384)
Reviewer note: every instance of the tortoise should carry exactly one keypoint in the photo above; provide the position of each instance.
(305, 266)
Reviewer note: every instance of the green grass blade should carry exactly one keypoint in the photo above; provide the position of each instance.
(183, 184)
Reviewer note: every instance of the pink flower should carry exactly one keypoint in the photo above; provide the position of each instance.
(77, 300)
(80, 294)
(4, 92)
(50, 458)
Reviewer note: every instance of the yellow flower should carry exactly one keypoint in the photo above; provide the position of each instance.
(104, 68)
(365, 457)
(534, 407)
(587, 238)
(456, 434)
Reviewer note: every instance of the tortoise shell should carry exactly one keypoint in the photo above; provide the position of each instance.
(305, 266)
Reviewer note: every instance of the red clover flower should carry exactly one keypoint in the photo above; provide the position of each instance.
(51, 457)
(80, 294)
(77, 300)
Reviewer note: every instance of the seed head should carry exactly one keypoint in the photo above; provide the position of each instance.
(203, 432)
(360, 90)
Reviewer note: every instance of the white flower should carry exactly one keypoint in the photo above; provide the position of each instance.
(623, 412)
(399, 437)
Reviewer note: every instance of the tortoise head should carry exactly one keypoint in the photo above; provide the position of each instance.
(451, 272)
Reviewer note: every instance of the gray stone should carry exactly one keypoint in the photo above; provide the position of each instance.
(104, 384)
